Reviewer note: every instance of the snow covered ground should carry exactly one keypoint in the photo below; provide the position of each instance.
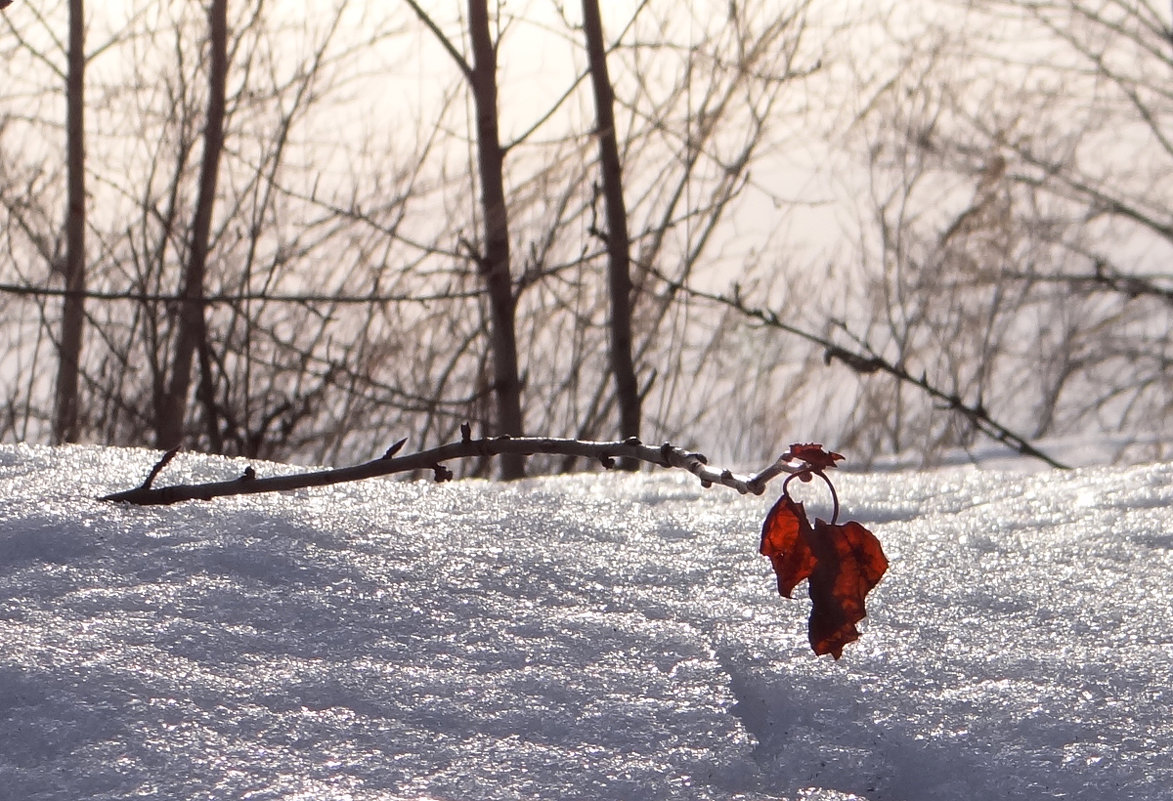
(584, 637)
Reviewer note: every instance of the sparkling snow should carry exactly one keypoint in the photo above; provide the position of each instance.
(584, 637)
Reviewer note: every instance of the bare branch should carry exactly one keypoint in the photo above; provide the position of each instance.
(1106, 278)
(871, 362)
(308, 298)
(606, 453)
(445, 42)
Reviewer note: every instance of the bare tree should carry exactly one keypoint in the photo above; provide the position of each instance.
(346, 293)
(492, 255)
(192, 333)
(618, 244)
(259, 355)
(493, 259)
(65, 424)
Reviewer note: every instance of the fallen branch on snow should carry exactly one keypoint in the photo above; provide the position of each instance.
(389, 463)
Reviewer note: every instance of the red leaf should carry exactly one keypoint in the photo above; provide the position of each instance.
(786, 537)
(848, 563)
(841, 562)
(813, 454)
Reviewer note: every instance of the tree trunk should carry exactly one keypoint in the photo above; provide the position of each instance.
(65, 427)
(192, 333)
(618, 253)
(494, 259)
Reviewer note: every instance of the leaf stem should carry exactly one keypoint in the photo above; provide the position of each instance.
(834, 497)
(805, 474)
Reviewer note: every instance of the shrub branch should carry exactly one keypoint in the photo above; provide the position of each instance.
(867, 361)
(666, 455)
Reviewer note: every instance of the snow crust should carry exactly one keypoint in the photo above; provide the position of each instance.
(585, 637)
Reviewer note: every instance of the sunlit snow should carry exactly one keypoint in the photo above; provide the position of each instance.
(585, 637)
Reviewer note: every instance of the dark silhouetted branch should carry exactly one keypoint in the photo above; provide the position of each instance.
(606, 453)
(868, 361)
(300, 299)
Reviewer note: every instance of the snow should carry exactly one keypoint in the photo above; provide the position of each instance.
(585, 637)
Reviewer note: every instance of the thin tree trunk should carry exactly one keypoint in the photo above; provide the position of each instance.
(618, 252)
(192, 333)
(494, 260)
(65, 426)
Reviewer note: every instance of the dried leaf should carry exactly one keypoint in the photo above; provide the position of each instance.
(842, 563)
(786, 537)
(813, 454)
(848, 563)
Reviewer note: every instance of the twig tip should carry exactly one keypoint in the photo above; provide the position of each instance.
(158, 468)
(394, 449)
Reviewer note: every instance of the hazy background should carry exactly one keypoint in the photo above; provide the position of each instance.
(897, 228)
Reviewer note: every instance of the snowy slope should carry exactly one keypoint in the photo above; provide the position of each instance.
(586, 637)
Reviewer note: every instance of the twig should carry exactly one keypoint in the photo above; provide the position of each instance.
(977, 415)
(159, 465)
(232, 298)
(869, 362)
(606, 453)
